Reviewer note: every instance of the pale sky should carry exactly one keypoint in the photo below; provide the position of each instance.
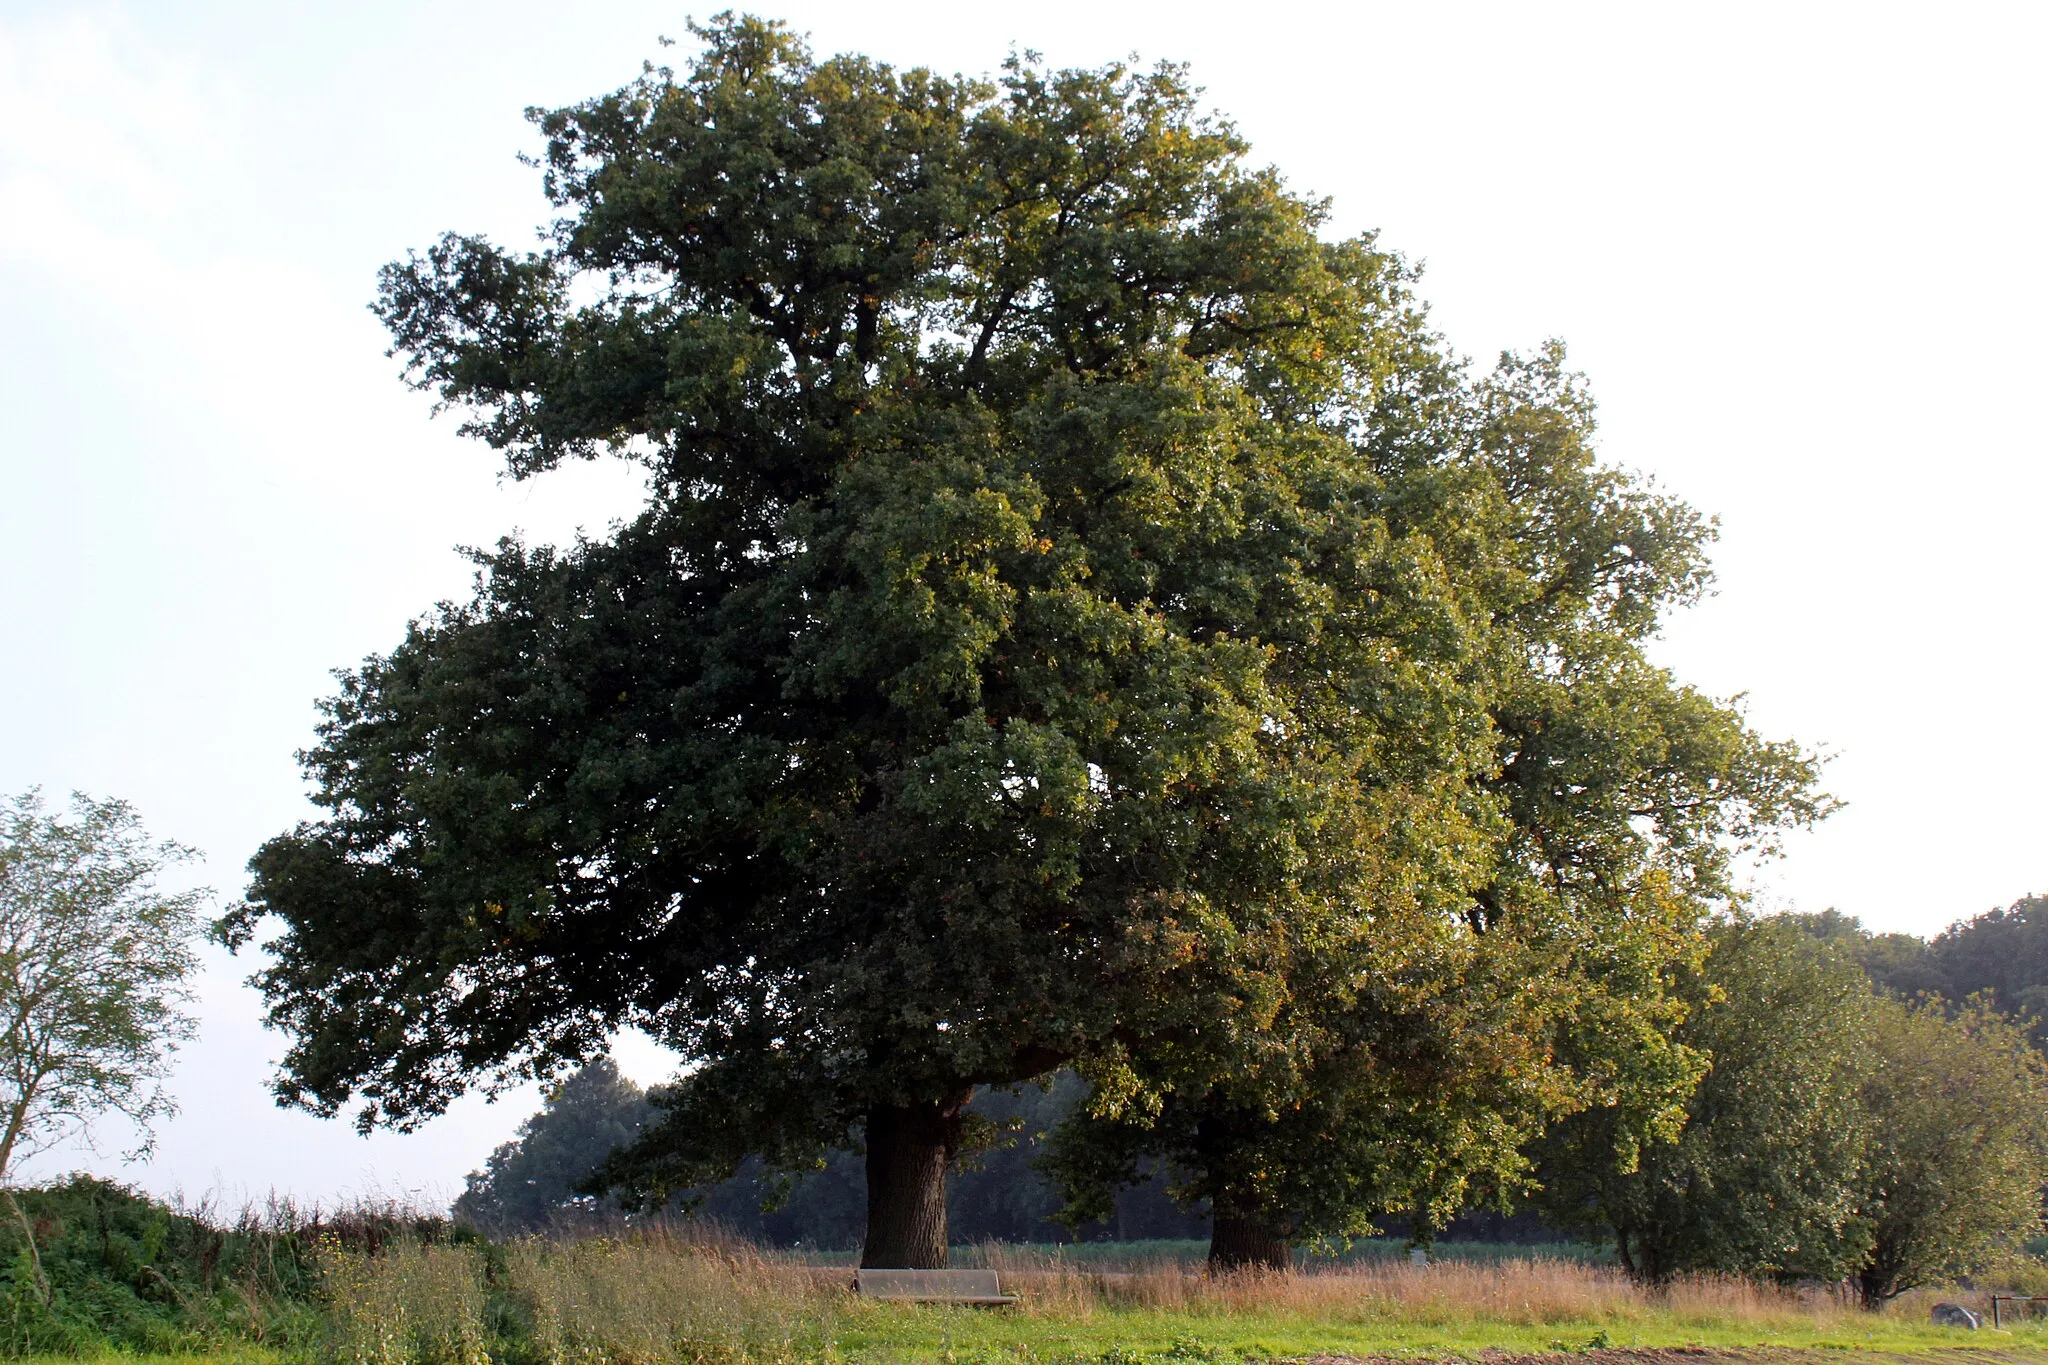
(1797, 248)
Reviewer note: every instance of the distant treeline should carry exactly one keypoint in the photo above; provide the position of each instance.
(2001, 954)
(528, 1185)
(1001, 1195)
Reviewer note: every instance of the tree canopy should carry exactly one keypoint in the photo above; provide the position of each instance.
(2000, 955)
(93, 959)
(1622, 795)
(1765, 1173)
(1958, 1154)
(530, 1184)
(1079, 615)
(94, 954)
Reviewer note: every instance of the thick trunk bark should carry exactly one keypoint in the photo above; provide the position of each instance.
(1875, 1286)
(1645, 1257)
(909, 1149)
(1239, 1243)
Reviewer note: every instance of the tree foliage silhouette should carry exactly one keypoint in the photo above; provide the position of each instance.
(1061, 629)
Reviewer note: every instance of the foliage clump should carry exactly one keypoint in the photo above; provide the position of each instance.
(1958, 1149)
(1839, 1133)
(1763, 1176)
(94, 957)
(122, 1271)
(126, 1272)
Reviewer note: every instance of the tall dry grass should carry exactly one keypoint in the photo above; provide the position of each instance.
(407, 1303)
(657, 1298)
(684, 1297)
(1535, 1292)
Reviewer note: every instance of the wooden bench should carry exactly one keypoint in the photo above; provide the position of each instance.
(932, 1286)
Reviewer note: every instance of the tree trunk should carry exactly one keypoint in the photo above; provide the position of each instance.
(1239, 1243)
(1646, 1259)
(909, 1149)
(1877, 1285)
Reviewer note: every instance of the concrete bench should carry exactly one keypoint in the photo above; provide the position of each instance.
(932, 1286)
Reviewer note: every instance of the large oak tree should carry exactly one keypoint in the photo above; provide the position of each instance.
(1062, 627)
(1014, 660)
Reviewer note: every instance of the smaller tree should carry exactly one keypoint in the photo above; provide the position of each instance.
(93, 961)
(1958, 1153)
(1763, 1178)
(533, 1180)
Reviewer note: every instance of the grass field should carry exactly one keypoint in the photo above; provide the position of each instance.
(655, 1300)
(385, 1286)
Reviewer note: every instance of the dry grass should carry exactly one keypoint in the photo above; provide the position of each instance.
(1522, 1293)
(408, 1303)
(657, 1298)
(685, 1297)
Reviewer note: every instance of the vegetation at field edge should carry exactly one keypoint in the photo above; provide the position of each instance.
(129, 1278)
(657, 1299)
(114, 1271)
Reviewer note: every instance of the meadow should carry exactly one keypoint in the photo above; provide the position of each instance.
(657, 1297)
(115, 1275)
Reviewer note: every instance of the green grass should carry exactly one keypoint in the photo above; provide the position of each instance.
(902, 1335)
(888, 1334)
(239, 1355)
(894, 1334)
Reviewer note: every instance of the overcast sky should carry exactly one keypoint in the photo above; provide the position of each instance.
(1796, 247)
